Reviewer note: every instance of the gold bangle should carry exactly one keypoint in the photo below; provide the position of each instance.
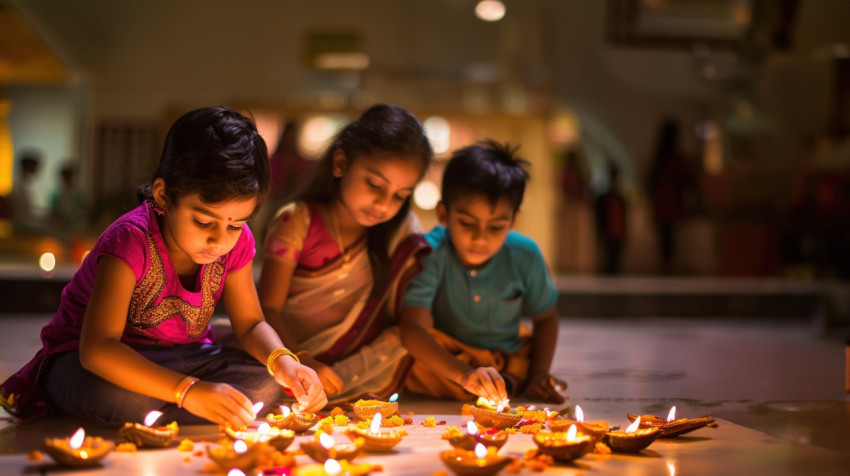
(183, 388)
(277, 353)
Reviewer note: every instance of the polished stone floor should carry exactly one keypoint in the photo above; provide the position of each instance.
(776, 388)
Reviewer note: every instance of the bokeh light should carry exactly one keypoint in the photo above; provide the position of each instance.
(426, 195)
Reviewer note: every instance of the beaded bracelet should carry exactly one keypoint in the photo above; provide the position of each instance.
(182, 388)
(277, 353)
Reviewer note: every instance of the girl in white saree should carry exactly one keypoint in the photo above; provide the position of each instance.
(338, 256)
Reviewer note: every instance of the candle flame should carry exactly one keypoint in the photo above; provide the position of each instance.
(394, 397)
(284, 410)
(671, 467)
(480, 451)
(77, 440)
(375, 427)
(257, 407)
(264, 429)
(672, 415)
(506, 404)
(235, 472)
(548, 413)
(471, 428)
(579, 414)
(326, 440)
(239, 446)
(483, 402)
(634, 426)
(571, 433)
(152, 416)
(84, 455)
(332, 467)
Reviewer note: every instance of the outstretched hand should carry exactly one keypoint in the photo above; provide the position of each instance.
(485, 382)
(219, 403)
(304, 383)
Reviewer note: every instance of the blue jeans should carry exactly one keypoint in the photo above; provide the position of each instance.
(80, 393)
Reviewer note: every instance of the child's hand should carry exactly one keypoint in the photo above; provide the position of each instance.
(303, 382)
(219, 403)
(330, 380)
(485, 382)
(542, 387)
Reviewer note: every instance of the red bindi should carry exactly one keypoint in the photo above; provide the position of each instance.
(229, 219)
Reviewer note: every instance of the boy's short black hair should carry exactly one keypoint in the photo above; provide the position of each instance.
(487, 168)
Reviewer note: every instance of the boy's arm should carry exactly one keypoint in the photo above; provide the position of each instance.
(415, 323)
(543, 343)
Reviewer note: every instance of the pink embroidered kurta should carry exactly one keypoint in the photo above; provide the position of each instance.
(161, 311)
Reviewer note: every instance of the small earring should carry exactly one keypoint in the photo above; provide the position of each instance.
(156, 207)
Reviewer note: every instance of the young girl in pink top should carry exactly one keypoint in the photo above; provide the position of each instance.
(132, 331)
(336, 256)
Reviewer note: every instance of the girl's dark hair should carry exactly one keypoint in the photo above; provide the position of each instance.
(215, 152)
(383, 131)
(487, 168)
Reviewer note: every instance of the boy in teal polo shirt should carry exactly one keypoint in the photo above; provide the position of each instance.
(460, 317)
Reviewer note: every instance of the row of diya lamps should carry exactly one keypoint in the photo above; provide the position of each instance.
(251, 446)
(473, 453)
(477, 453)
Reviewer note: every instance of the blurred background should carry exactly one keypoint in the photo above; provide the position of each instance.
(699, 138)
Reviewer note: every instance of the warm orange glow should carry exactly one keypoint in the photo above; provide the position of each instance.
(326, 440)
(672, 415)
(375, 427)
(240, 446)
(152, 416)
(284, 410)
(77, 440)
(332, 466)
(634, 426)
(480, 451)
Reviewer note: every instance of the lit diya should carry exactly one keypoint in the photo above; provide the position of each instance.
(596, 429)
(375, 439)
(333, 467)
(672, 426)
(292, 420)
(326, 448)
(78, 451)
(632, 440)
(278, 438)
(239, 455)
(366, 409)
(490, 415)
(564, 446)
(468, 441)
(147, 435)
(480, 462)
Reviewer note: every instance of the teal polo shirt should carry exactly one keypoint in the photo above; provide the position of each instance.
(482, 307)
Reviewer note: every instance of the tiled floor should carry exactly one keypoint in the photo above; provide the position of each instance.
(776, 387)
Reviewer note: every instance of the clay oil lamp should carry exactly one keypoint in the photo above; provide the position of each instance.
(292, 420)
(595, 429)
(240, 455)
(491, 415)
(633, 440)
(148, 435)
(480, 462)
(468, 441)
(278, 438)
(366, 409)
(673, 426)
(78, 451)
(564, 446)
(333, 467)
(375, 439)
(326, 448)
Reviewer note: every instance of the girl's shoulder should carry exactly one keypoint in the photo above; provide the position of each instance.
(288, 230)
